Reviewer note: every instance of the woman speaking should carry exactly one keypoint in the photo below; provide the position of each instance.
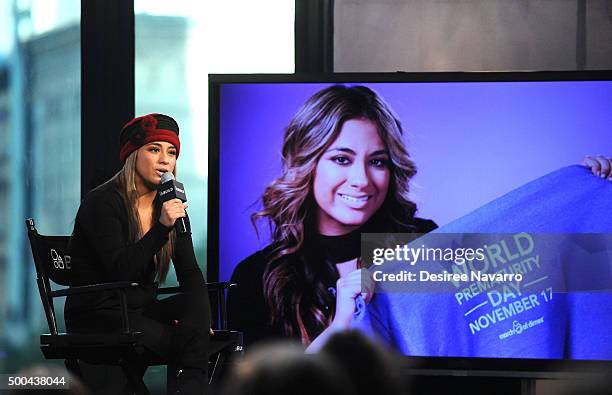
(123, 233)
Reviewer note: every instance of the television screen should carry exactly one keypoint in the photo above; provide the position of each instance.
(306, 169)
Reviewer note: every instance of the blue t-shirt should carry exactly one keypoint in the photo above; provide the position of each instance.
(562, 308)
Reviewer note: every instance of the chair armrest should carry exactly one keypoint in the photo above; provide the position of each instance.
(92, 288)
(221, 285)
(169, 290)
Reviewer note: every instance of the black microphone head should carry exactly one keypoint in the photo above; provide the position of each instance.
(167, 176)
(169, 188)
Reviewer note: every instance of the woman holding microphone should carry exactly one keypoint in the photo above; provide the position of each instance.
(122, 232)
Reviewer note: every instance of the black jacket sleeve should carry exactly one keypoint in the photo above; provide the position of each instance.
(188, 273)
(104, 223)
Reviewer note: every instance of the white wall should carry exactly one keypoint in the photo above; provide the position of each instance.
(469, 35)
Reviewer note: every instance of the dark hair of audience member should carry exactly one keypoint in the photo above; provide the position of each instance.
(282, 368)
(369, 367)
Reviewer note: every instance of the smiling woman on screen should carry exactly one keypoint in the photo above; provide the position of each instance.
(345, 171)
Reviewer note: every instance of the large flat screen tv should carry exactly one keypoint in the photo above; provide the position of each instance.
(479, 154)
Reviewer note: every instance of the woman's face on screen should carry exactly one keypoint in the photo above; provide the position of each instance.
(351, 178)
(154, 159)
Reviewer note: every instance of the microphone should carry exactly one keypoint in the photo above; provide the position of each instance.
(170, 189)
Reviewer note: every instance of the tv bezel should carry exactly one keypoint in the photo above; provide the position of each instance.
(451, 366)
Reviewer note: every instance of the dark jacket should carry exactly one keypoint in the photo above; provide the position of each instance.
(102, 252)
(247, 308)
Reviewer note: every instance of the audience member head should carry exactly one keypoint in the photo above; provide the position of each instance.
(370, 368)
(282, 368)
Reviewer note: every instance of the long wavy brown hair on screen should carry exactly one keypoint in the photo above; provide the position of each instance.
(125, 183)
(294, 286)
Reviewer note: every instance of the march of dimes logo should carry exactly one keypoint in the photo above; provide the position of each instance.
(518, 328)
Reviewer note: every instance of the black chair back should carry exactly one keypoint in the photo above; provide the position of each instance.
(52, 263)
(50, 255)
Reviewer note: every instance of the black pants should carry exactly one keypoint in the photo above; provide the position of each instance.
(174, 330)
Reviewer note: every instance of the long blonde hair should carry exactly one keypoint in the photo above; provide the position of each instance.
(125, 183)
(289, 206)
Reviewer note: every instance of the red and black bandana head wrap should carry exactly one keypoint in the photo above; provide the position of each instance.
(146, 129)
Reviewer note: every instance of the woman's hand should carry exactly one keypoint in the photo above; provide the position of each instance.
(357, 282)
(171, 211)
(599, 165)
